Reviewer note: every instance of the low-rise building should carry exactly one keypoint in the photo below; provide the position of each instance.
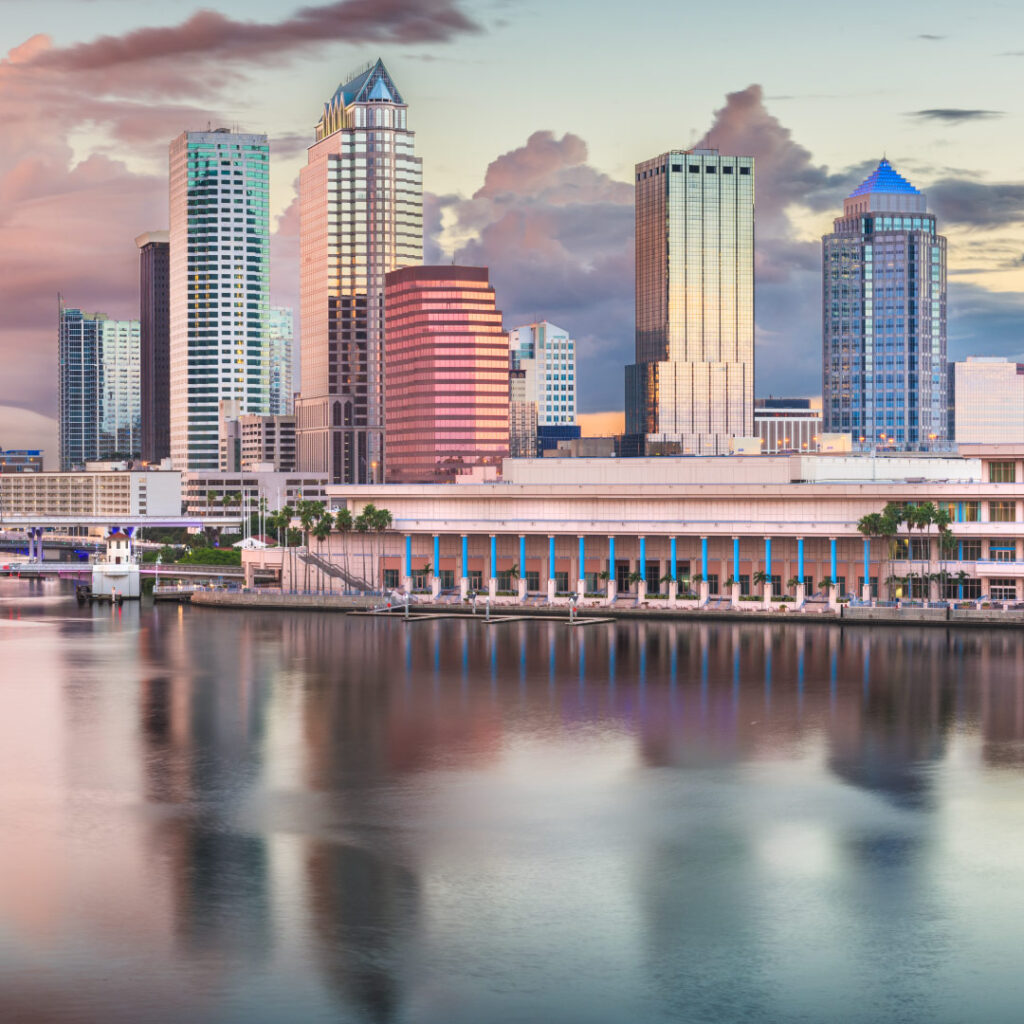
(91, 495)
(987, 400)
(214, 496)
(675, 524)
(21, 460)
(787, 424)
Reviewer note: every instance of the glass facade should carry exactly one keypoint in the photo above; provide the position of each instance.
(884, 319)
(361, 210)
(99, 403)
(219, 286)
(693, 380)
(446, 367)
(280, 336)
(154, 342)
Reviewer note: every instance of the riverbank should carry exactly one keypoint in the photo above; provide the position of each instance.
(854, 616)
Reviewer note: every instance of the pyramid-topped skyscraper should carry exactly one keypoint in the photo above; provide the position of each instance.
(361, 216)
(884, 374)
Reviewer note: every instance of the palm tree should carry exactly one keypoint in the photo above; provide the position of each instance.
(381, 521)
(760, 578)
(344, 523)
(322, 531)
(604, 576)
(794, 582)
(636, 578)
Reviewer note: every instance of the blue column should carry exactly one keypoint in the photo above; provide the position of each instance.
(494, 557)
(959, 511)
(465, 556)
(867, 561)
(960, 549)
(704, 558)
(672, 560)
(581, 574)
(736, 559)
(768, 556)
(642, 568)
(437, 555)
(522, 557)
(408, 554)
(611, 557)
(551, 558)
(800, 559)
(832, 546)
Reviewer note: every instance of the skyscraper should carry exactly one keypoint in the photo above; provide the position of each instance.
(280, 335)
(547, 355)
(692, 385)
(446, 368)
(219, 285)
(884, 318)
(98, 387)
(361, 200)
(154, 344)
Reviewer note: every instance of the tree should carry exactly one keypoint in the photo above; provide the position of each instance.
(794, 581)
(322, 531)
(636, 578)
(761, 579)
(344, 523)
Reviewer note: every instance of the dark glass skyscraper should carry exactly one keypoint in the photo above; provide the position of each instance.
(155, 344)
(884, 319)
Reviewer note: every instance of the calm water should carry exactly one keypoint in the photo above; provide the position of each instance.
(211, 816)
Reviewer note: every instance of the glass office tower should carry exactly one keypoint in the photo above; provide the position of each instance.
(692, 386)
(884, 369)
(219, 286)
(361, 216)
(155, 343)
(99, 402)
(446, 359)
(280, 333)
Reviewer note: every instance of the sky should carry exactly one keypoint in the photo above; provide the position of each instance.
(529, 117)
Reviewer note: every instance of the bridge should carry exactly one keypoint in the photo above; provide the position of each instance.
(73, 570)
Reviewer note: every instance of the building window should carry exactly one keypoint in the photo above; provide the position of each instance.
(1002, 511)
(970, 550)
(1002, 590)
(874, 585)
(957, 590)
(476, 579)
(532, 580)
(744, 582)
(1002, 472)
(390, 579)
(713, 583)
(972, 512)
(652, 571)
(1002, 551)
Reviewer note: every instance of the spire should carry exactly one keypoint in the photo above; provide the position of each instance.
(886, 180)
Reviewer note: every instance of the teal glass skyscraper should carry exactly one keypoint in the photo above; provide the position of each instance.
(219, 283)
(692, 386)
(884, 370)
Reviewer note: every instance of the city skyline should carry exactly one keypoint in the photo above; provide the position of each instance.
(571, 253)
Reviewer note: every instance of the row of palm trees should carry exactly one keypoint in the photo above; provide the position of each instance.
(317, 522)
(885, 526)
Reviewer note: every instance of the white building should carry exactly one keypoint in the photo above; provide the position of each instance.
(787, 424)
(219, 286)
(90, 495)
(548, 356)
(988, 400)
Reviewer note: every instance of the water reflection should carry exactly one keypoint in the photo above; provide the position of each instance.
(321, 817)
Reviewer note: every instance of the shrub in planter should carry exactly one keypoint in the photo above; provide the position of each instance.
(657, 597)
(688, 596)
(783, 597)
(750, 597)
(506, 593)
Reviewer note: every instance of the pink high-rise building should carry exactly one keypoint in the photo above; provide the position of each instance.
(446, 373)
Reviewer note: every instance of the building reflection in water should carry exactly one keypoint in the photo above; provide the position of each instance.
(390, 718)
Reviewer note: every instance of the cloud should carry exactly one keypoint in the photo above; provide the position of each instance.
(215, 37)
(977, 204)
(955, 115)
(557, 235)
(23, 428)
(929, 37)
(983, 322)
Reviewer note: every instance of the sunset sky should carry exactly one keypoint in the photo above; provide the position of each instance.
(529, 117)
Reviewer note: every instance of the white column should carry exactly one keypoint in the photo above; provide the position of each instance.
(768, 596)
(801, 596)
(673, 593)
